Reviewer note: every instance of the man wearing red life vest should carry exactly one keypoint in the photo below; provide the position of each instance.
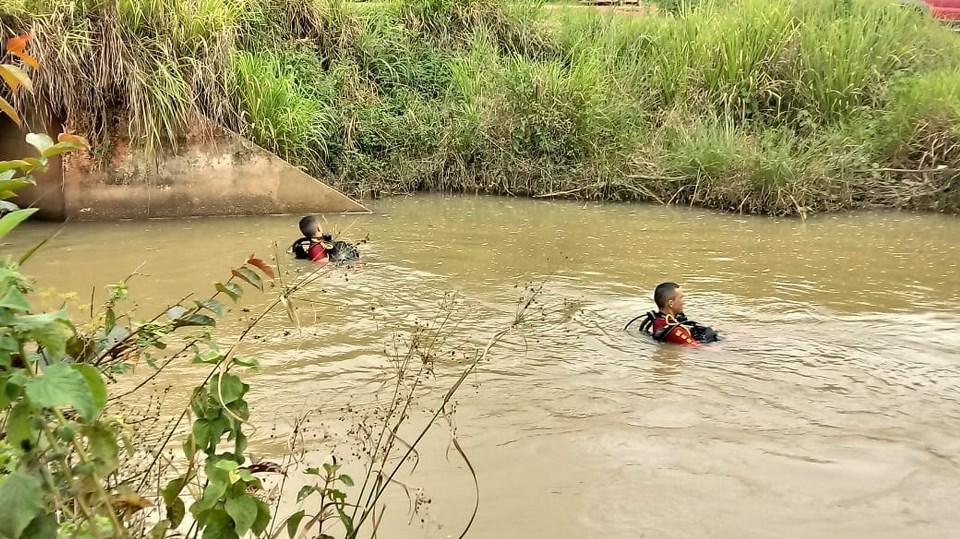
(667, 326)
(312, 246)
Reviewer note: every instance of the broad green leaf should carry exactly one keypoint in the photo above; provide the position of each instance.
(201, 434)
(19, 428)
(189, 447)
(240, 443)
(176, 510)
(6, 184)
(231, 289)
(243, 511)
(14, 165)
(227, 388)
(219, 527)
(9, 347)
(15, 78)
(66, 432)
(240, 409)
(14, 218)
(211, 495)
(227, 465)
(293, 524)
(198, 404)
(20, 503)
(263, 518)
(97, 386)
(346, 520)
(159, 530)
(61, 385)
(14, 300)
(59, 148)
(173, 489)
(4, 398)
(42, 527)
(195, 320)
(249, 362)
(346, 480)
(210, 357)
(41, 141)
(220, 469)
(76, 140)
(104, 449)
(211, 305)
(109, 320)
(51, 330)
(306, 491)
(249, 276)
(7, 108)
(218, 426)
(15, 384)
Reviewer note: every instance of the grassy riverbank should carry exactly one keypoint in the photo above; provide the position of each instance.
(763, 107)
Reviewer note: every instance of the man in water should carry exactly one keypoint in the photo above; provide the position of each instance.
(312, 246)
(669, 324)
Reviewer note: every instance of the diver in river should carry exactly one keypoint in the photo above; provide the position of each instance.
(669, 324)
(317, 246)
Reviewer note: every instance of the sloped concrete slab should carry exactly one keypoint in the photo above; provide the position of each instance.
(220, 173)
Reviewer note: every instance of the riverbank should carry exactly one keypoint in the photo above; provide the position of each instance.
(773, 108)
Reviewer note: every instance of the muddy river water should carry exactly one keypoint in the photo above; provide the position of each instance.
(830, 410)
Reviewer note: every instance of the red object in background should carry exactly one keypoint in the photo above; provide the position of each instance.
(948, 10)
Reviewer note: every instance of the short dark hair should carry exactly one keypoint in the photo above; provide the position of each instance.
(308, 225)
(664, 293)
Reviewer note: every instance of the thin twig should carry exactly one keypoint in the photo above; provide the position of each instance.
(571, 191)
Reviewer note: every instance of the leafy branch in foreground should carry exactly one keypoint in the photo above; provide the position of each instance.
(68, 468)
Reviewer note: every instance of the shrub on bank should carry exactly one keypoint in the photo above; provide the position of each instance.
(768, 107)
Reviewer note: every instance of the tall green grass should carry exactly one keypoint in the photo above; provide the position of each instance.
(747, 105)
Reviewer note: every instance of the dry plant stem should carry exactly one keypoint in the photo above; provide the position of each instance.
(155, 372)
(107, 353)
(105, 499)
(223, 364)
(289, 460)
(400, 418)
(87, 511)
(440, 409)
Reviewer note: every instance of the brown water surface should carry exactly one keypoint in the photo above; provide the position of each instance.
(831, 409)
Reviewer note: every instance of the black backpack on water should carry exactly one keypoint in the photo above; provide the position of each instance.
(700, 332)
(338, 252)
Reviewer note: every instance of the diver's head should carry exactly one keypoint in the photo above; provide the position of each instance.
(669, 298)
(310, 227)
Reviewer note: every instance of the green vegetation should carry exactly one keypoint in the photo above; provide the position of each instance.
(76, 462)
(768, 107)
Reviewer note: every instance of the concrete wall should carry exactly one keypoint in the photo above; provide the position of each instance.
(219, 175)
